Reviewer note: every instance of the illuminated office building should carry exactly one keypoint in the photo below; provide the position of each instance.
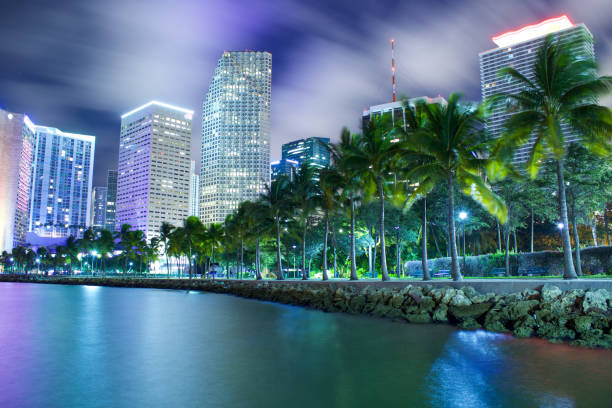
(235, 134)
(154, 163)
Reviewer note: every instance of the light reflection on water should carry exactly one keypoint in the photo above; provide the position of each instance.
(65, 346)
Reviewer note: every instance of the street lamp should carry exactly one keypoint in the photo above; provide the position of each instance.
(560, 225)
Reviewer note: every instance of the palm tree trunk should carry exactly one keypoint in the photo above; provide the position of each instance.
(605, 217)
(257, 261)
(279, 274)
(325, 277)
(507, 251)
(576, 240)
(455, 271)
(515, 243)
(594, 230)
(241, 256)
(499, 240)
(167, 260)
(383, 250)
(304, 276)
(426, 276)
(353, 258)
(531, 238)
(569, 271)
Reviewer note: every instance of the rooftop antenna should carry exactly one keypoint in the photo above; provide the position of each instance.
(393, 65)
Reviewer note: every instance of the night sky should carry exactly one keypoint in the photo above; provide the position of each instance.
(78, 65)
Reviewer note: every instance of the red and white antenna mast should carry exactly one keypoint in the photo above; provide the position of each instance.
(393, 65)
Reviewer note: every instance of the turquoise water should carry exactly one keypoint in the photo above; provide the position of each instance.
(82, 346)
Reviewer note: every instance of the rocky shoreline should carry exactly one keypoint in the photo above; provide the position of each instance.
(578, 317)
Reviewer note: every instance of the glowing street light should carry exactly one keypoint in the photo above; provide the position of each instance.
(560, 225)
(462, 215)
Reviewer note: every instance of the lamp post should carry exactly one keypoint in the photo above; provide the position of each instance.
(463, 217)
(294, 270)
(397, 252)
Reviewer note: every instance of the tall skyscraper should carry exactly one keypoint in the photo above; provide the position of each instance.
(154, 163)
(111, 199)
(62, 172)
(194, 192)
(98, 207)
(235, 134)
(312, 150)
(518, 49)
(17, 135)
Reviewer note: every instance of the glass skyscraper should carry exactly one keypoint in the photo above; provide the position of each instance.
(62, 173)
(312, 150)
(154, 167)
(519, 49)
(235, 134)
(98, 210)
(111, 198)
(285, 167)
(194, 192)
(17, 135)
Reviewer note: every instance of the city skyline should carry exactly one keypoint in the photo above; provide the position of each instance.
(437, 46)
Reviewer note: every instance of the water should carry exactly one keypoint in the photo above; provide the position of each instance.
(81, 346)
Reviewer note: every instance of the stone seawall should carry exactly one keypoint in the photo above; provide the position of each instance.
(578, 316)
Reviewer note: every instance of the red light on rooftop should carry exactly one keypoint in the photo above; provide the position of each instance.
(532, 31)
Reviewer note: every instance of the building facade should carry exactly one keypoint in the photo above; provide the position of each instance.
(285, 167)
(62, 173)
(17, 137)
(194, 192)
(98, 208)
(111, 199)
(235, 134)
(518, 49)
(397, 109)
(312, 150)
(154, 163)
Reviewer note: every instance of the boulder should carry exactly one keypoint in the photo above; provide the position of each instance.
(550, 292)
(474, 310)
(440, 313)
(470, 324)
(460, 299)
(596, 301)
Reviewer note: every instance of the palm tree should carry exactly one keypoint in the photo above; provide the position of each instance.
(214, 238)
(374, 160)
(329, 182)
(72, 252)
(276, 199)
(124, 237)
(193, 231)
(560, 98)
(305, 200)
(106, 246)
(449, 149)
(349, 182)
(41, 254)
(165, 234)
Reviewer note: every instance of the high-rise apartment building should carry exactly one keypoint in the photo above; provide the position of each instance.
(98, 207)
(235, 134)
(17, 135)
(312, 150)
(285, 167)
(62, 173)
(518, 49)
(194, 192)
(111, 199)
(154, 163)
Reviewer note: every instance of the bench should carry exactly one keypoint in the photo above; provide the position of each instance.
(532, 271)
(418, 273)
(442, 273)
(497, 272)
